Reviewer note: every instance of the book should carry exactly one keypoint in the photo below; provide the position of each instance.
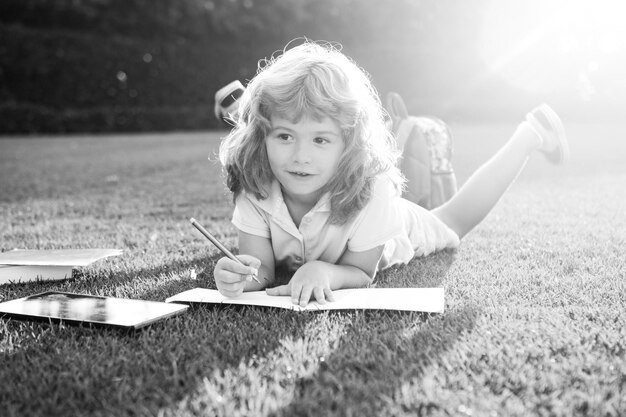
(429, 300)
(87, 309)
(22, 265)
(25, 273)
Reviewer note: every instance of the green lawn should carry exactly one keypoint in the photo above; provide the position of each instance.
(535, 319)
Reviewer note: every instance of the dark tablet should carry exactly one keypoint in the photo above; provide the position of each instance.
(89, 309)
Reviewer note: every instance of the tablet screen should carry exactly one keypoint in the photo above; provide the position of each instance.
(90, 309)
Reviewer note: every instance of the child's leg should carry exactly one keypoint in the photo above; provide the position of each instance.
(541, 131)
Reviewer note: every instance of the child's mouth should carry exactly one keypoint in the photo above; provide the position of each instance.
(299, 174)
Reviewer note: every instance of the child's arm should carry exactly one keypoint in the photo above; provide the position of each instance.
(233, 278)
(317, 279)
(260, 248)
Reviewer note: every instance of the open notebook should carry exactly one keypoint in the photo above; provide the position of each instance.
(429, 300)
(73, 308)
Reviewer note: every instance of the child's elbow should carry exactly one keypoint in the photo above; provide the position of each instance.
(368, 277)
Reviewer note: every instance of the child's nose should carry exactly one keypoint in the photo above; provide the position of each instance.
(302, 152)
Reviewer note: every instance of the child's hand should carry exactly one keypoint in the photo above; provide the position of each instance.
(231, 277)
(312, 279)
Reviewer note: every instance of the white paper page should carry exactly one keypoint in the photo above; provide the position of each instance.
(430, 300)
(57, 257)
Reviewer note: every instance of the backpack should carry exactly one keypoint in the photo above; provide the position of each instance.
(426, 144)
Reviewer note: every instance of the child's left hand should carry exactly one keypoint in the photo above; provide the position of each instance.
(311, 279)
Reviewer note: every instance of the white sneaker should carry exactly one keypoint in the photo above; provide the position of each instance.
(548, 126)
(226, 104)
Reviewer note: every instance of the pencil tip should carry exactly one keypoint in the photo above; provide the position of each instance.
(192, 220)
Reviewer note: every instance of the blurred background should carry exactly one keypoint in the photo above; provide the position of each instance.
(154, 65)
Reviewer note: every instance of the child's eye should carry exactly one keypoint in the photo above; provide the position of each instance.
(320, 140)
(284, 136)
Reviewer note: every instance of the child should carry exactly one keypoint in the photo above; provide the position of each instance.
(317, 189)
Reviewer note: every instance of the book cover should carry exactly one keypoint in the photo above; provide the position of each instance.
(24, 265)
(67, 257)
(26, 273)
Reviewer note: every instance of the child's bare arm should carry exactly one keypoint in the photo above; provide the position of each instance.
(366, 261)
(260, 248)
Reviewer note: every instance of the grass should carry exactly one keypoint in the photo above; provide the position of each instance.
(535, 296)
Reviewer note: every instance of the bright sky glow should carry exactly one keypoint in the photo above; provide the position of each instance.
(571, 47)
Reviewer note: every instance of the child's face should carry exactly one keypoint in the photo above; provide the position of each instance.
(304, 156)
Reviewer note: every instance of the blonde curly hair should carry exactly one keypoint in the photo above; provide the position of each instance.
(316, 80)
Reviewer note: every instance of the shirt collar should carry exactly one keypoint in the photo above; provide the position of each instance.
(275, 204)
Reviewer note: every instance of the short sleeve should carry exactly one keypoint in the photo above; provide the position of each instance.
(250, 218)
(379, 221)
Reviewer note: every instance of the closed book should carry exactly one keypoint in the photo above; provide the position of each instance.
(23, 265)
(26, 273)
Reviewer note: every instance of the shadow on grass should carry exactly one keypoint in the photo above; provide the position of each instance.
(382, 350)
(378, 355)
(85, 282)
(167, 366)
(422, 272)
(80, 370)
(73, 370)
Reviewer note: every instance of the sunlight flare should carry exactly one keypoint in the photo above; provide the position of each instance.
(540, 46)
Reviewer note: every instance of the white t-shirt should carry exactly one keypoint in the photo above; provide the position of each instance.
(404, 228)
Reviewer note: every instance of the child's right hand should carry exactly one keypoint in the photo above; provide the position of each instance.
(231, 277)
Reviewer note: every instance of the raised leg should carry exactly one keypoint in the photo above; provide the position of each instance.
(467, 208)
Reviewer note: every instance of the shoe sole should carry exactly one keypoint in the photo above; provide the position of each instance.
(562, 152)
(226, 99)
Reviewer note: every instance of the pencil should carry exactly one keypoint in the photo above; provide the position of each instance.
(219, 245)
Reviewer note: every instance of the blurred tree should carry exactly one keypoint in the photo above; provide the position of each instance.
(103, 65)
